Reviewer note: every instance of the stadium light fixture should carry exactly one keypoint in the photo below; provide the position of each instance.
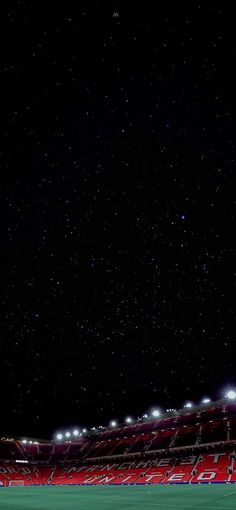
(84, 430)
(59, 437)
(75, 432)
(156, 413)
(113, 423)
(188, 405)
(231, 395)
(206, 400)
(128, 419)
(67, 434)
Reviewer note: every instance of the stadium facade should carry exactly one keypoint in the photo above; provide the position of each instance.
(196, 446)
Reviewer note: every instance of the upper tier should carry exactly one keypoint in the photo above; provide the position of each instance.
(190, 429)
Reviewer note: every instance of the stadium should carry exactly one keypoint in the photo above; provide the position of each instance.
(173, 459)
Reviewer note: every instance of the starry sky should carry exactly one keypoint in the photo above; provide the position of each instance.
(118, 210)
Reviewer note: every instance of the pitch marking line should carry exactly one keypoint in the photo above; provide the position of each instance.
(182, 506)
(229, 494)
(188, 506)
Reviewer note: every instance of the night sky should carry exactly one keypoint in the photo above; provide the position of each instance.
(118, 209)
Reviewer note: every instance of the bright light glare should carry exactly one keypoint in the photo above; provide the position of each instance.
(206, 400)
(67, 434)
(128, 419)
(24, 441)
(59, 437)
(188, 405)
(155, 413)
(145, 416)
(75, 432)
(113, 423)
(231, 395)
(84, 430)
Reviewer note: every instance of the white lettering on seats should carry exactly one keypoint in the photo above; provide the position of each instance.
(216, 456)
(209, 475)
(106, 479)
(189, 460)
(176, 476)
(153, 475)
(164, 462)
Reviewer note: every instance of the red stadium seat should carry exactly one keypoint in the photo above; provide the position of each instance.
(194, 447)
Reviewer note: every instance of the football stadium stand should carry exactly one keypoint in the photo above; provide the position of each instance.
(192, 447)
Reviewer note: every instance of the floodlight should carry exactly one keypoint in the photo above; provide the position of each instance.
(156, 413)
(113, 423)
(145, 416)
(231, 395)
(59, 437)
(67, 434)
(24, 441)
(75, 432)
(84, 430)
(128, 419)
(206, 400)
(188, 405)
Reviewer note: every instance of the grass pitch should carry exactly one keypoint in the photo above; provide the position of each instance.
(159, 497)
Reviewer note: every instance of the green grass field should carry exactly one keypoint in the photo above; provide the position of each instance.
(169, 497)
